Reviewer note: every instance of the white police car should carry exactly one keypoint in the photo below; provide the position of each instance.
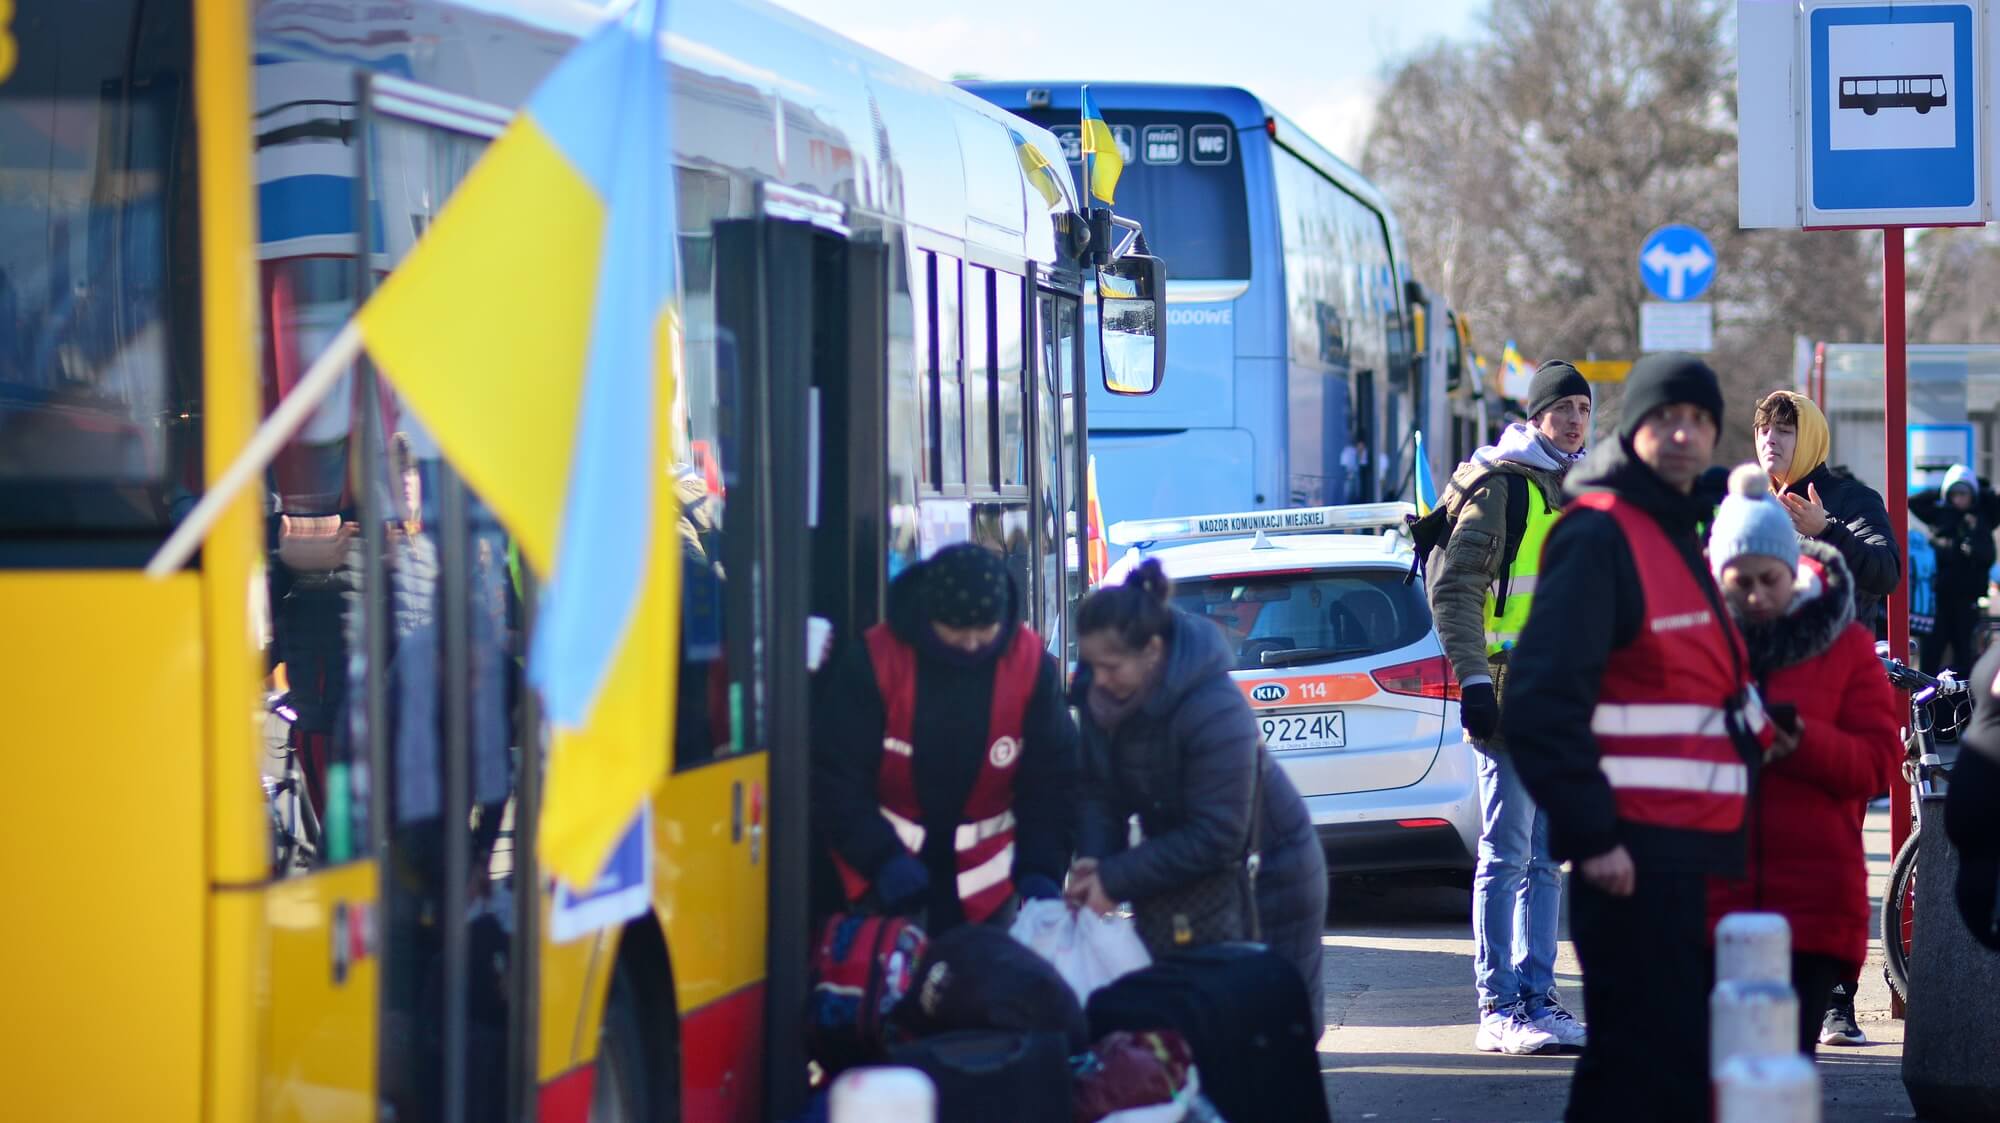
(1339, 658)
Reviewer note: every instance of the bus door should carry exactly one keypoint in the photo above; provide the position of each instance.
(396, 720)
(1062, 461)
(116, 830)
(808, 312)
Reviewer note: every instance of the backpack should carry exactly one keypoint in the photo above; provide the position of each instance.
(862, 968)
(1433, 531)
(977, 977)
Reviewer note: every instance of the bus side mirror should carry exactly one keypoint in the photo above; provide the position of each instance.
(1131, 324)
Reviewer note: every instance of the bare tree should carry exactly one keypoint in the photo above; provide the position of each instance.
(1531, 161)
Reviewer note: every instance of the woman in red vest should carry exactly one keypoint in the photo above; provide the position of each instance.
(1793, 600)
(944, 762)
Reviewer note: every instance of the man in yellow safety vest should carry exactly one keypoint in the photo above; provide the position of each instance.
(1500, 505)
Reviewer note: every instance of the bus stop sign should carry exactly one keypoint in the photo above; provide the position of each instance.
(1860, 115)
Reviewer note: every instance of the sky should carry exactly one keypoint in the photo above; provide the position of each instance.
(1321, 62)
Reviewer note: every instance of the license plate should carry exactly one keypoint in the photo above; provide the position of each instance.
(1315, 729)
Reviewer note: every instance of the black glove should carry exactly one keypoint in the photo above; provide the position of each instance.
(900, 882)
(1479, 710)
(1036, 887)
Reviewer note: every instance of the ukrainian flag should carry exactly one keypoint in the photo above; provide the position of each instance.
(1427, 492)
(1097, 552)
(1041, 174)
(1512, 365)
(533, 331)
(1102, 162)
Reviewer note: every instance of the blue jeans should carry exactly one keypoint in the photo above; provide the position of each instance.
(1516, 893)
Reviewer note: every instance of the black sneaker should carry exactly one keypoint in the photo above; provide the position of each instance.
(1840, 1028)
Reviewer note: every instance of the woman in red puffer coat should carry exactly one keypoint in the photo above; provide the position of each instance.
(1793, 600)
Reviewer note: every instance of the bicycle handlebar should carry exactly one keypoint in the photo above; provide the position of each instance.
(1906, 677)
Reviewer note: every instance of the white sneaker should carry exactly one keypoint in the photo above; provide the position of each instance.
(1560, 1024)
(1509, 1031)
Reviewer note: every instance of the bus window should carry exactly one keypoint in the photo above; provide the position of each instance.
(1075, 557)
(1007, 384)
(945, 305)
(979, 379)
(1049, 489)
(716, 714)
(100, 399)
(315, 771)
(1189, 194)
(923, 330)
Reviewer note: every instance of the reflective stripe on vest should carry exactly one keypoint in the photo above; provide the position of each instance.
(983, 838)
(1503, 630)
(1661, 774)
(965, 837)
(1670, 718)
(1663, 715)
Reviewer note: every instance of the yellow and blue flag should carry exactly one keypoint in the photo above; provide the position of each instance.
(1513, 365)
(533, 331)
(1041, 174)
(1427, 492)
(1102, 162)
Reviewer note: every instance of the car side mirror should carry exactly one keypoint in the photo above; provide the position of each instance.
(1131, 324)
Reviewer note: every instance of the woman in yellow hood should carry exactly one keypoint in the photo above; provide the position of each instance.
(1790, 442)
(1835, 508)
(1841, 511)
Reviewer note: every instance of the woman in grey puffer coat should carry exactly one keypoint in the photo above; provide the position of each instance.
(1167, 736)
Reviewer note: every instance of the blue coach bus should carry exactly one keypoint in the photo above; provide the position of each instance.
(1293, 378)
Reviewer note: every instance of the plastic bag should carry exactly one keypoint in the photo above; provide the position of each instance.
(1088, 950)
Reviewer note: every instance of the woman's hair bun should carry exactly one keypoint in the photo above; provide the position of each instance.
(1151, 578)
(1749, 481)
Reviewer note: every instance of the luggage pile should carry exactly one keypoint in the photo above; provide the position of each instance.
(1216, 1034)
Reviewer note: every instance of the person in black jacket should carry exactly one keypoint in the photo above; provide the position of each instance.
(1961, 516)
(1167, 736)
(1639, 902)
(1793, 442)
(1972, 807)
(959, 615)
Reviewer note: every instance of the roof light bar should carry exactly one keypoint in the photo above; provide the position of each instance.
(1299, 520)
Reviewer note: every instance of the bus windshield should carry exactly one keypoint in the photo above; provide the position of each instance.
(99, 381)
(1183, 182)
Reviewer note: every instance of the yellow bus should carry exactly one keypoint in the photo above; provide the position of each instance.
(269, 822)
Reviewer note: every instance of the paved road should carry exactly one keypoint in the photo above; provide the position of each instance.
(1398, 1044)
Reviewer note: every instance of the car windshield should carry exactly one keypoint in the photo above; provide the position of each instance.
(1286, 619)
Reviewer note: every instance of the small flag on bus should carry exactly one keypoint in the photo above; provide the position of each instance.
(1102, 162)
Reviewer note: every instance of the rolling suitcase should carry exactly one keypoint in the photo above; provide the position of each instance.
(993, 1076)
(1243, 1010)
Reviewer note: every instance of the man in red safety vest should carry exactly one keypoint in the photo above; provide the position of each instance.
(1636, 726)
(944, 759)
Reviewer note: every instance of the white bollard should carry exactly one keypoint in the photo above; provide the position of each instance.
(1753, 945)
(883, 1095)
(1751, 1018)
(1768, 1090)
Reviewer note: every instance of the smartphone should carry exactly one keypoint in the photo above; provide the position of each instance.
(1785, 714)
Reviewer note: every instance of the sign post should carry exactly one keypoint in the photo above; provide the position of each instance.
(1678, 264)
(1856, 115)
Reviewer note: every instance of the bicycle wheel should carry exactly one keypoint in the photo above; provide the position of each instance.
(1899, 918)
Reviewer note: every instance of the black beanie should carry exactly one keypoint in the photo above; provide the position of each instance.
(1554, 381)
(1666, 379)
(966, 586)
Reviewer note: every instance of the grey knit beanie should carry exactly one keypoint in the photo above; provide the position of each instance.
(1749, 521)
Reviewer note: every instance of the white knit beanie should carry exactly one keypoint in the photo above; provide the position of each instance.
(1750, 521)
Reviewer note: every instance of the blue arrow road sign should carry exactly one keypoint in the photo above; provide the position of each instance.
(1677, 262)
